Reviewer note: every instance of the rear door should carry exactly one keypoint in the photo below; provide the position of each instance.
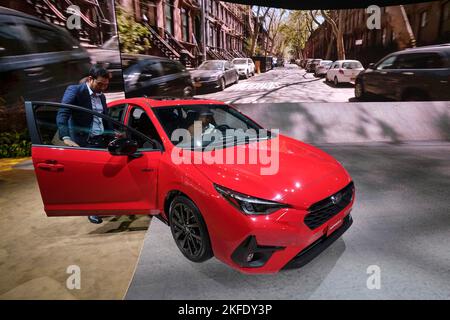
(425, 71)
(88, 180)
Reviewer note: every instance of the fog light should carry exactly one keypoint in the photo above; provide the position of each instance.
(250, 257)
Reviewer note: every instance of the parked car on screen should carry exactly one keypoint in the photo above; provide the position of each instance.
(344, 71)
(322, 68)
(108, 55)
(244, 66)
(308, 64)
(312, 66)
(37, 59)
(414, 74)
(214, 74)
(155, 76)
(230, 210)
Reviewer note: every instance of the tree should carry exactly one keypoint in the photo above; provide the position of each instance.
(133, 36)
(274, 27)
(296, 30)
(257, 23)
(335, 20)
(399, 22)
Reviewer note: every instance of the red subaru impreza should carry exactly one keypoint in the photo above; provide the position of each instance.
(255, 199)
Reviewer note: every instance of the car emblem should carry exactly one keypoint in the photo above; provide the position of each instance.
(336, 198)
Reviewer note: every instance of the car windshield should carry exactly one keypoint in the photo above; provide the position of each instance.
(352, 65)
(197, 127)
(240, 61)
(211, 65)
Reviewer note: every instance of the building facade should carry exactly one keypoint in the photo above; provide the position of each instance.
(97, 17)
(176, 28)
(430, 24)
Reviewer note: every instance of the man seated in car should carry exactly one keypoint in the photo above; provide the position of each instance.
(207, 122)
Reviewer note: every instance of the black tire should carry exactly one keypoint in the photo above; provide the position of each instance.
(189, 230)
(336, 81)
(360, 94)
(222, 84)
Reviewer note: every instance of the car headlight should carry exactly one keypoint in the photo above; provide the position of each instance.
(249, 204)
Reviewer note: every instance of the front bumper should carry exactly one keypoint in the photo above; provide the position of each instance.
(203, 85)
(270, 243)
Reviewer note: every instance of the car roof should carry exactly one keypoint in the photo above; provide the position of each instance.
(156, 102)
(12, 12)
(348, 60)
(439, 47)
(136, 56)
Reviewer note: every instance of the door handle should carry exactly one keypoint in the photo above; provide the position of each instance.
(54, 167)
(408, 73)
(383, 72)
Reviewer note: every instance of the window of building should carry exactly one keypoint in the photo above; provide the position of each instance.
(148, 11)
(445, 21)
(185, 24)
(169, 8)
(423, 19)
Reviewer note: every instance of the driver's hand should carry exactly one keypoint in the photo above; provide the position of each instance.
(70, 143)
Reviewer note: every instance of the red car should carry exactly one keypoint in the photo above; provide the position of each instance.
(254, 222)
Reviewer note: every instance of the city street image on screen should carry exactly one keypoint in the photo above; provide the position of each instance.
(205, 149)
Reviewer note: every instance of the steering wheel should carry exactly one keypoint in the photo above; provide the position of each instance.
(223, 127)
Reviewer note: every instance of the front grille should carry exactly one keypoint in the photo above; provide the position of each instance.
(324, 210)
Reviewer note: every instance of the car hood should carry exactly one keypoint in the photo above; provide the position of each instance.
(305, 174)
(205, 73)
(240, 65)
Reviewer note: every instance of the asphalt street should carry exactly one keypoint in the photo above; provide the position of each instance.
(401, 227)
(283, 84)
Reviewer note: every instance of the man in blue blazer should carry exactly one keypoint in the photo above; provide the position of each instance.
(82, 129)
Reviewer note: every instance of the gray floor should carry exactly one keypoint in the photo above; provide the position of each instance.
(401, 224)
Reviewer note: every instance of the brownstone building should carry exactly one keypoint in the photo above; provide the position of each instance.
(176, 29)
(430, 23)
(97, 17)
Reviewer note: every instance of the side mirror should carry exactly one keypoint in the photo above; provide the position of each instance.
(122, 147)
(371, 66)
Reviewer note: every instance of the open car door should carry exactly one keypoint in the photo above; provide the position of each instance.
(113, 175)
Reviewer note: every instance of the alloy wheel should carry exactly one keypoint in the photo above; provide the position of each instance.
(186, 230)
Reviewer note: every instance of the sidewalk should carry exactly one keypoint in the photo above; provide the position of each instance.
(36, 250)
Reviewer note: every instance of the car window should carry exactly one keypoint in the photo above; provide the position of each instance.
(140, 121)
(45, 39)
(351, 65)
(169, 67)
(336, 65)
(420, 61)
(11, 40)
(387, 63)
(219, 118)
(50, 126)
(152, 68)
(117, 112)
